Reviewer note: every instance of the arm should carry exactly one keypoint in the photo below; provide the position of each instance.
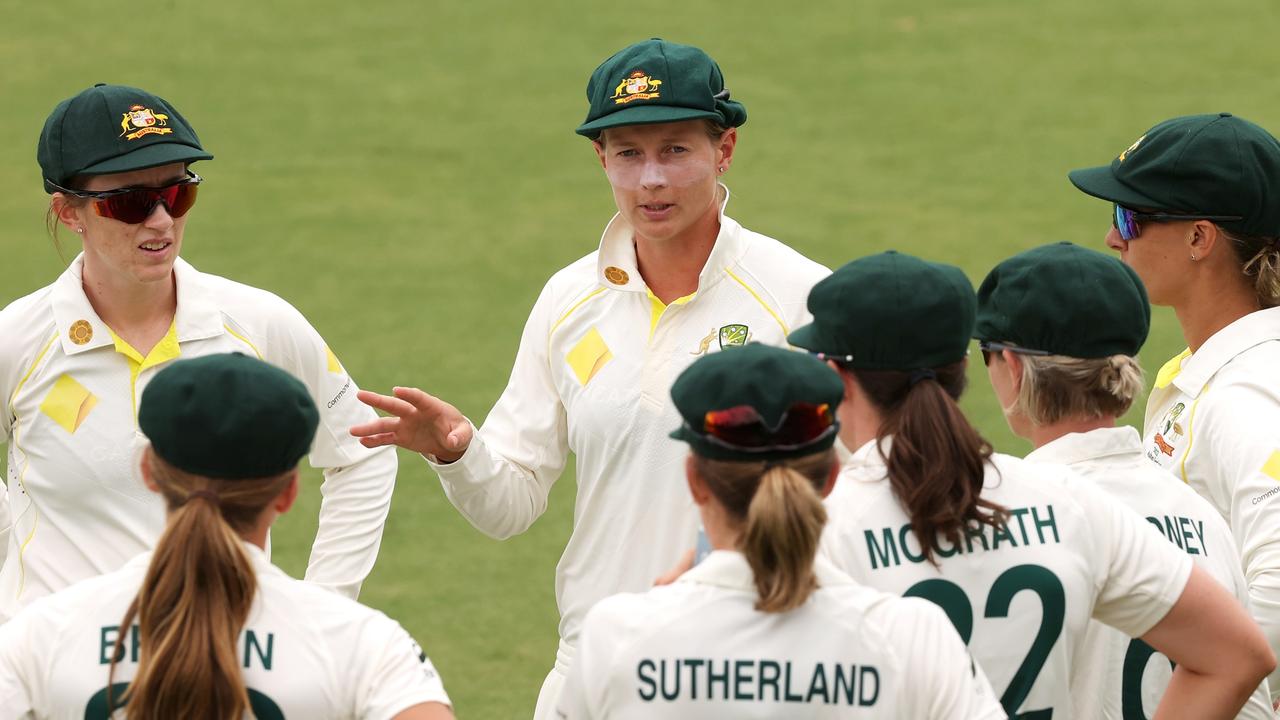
(426, 711)
(1221, 654)
(500, 477)
(17, 663)
(358, 481)
(396, 679)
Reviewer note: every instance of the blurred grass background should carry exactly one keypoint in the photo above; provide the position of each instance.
(406, 174)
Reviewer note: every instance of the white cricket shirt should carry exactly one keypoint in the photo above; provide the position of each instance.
(593, 376)
(306, 652)
(1021, 594)
(1213, 422)
(698, 648)
(1123, 677)
(69, 392)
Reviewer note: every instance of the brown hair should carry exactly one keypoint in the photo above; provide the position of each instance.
(937, 460)
(1259, 257)
(53, 224)
(778, 506)
(195, 598)
(1057, 387)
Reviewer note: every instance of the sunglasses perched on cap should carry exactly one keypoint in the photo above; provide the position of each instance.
(133, 205)
(987, 347)
(742, 428)
(1127, 220)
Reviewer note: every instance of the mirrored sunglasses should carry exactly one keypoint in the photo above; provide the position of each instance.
(133, 205)
(742, 428)
(1127, 220)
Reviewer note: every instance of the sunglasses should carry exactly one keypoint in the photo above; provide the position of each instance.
(133, 205)
(741, 428)
(987, 347)
(1126, 220)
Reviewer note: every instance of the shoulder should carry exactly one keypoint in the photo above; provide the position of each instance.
(624, 613)
(773, 261)
(25, 324)
(240, 300)
(97, 599)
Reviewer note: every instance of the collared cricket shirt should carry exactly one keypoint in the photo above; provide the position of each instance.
(593, 376)
(1122, 677)
(698, 648)
(1213, 422)
(1020, 594)
(305, 652)
(69, 393)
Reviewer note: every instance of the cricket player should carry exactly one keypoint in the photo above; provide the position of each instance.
(205, 626)
(673, 280)
(1060, 328)
(78, 354)
(761, 628)
(1020, 555)
(1194, 213)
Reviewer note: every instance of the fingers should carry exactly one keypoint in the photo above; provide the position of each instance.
(387, 425)
(377, 441)
(683, 566)
(418, 399)
(386, 403)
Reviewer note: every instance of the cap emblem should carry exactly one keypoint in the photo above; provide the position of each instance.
(636, 86)
(143, 121)
(734, 335)
(1131, 148)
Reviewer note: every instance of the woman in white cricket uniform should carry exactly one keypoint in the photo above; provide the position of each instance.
(77, 355)
(1020, 555)
(673, 279)
(205, 626)
(761, 628)
(1195, 214)
(1060, 328)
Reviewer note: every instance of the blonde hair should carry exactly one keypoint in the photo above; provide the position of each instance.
(713, 129)
(1259, 257)
(779, 510)
(1057, 387)
(195, 598)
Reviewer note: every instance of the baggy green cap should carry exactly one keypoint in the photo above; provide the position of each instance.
(228, 416)
(891, 312)
(110, 129)
(656, 81)
(769, 379)
(1212, 165)
(1065, 300)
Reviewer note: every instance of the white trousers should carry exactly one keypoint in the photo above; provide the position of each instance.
(549, 695)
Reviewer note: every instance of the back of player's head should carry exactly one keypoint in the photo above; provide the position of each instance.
(761, 422)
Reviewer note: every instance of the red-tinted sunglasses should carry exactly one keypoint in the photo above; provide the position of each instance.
(134, 205)
(741, 427)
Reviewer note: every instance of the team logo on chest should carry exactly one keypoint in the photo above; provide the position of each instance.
(734, 335)
(1169, 430)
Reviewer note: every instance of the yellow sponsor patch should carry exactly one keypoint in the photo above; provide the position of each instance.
(588, 356)
(335, 367)
(1272, 467)
(68, 403)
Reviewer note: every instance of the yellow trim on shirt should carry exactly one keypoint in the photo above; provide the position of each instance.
(657, 307)
(573, 309)
(32, 369)
(243, 339)
(26, 461)
(785, 330)
(1191, 429)
(165, 350)
(1170, 369)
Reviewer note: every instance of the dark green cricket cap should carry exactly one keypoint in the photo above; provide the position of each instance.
(656, 81)
(766, 378)
(228, 416)
(891, 312)
(1208, 165)
(1065, 300)
(110, 129)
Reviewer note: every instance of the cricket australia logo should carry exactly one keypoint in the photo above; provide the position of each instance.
(140, 121)
(636, 86)
(1132, 147)
(1170, 430)
(734, 335)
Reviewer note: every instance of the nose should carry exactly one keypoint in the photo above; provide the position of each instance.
(159, 219)
(1115, 242)
(653, 175)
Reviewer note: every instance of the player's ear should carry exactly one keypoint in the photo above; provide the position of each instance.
(147, 480)
(831, 477)
(288, 496)
(598, 144)
(697, 487)
(1013, 365)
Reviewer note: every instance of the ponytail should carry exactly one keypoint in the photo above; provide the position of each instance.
(1259, 258)
(937, 460)
(195, 599)
(781, 513)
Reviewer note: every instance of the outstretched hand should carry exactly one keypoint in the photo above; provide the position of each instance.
(419, 422)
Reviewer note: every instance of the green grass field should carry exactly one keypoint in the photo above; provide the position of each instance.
(406, 174)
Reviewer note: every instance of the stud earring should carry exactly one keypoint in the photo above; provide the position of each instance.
(1194, 258)
(80, 230)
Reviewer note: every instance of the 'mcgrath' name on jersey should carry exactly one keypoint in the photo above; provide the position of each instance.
(889, 546)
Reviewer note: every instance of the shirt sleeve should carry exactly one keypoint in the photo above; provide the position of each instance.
(358, 481)
(1240, 435)
(18, 664)
(396, 674)
(1138, 574)
(502, 481)
(942, 680)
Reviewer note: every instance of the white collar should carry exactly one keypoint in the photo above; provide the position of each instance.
(257, 558)
(197, 315)
(1096, 444)
(618, 253)
(730, 569)
(1250, 330)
